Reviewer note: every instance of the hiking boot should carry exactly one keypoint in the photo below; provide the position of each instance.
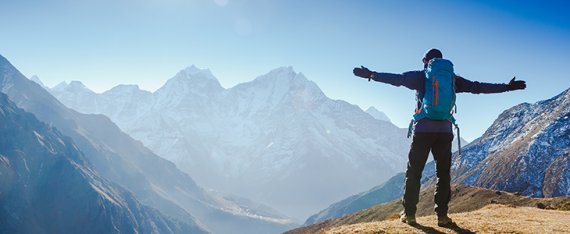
(444, 221)
(411, 220)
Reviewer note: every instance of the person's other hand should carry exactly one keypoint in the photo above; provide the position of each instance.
(362, 72)
(516, 84)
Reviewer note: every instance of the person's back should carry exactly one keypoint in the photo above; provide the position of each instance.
(431, 133)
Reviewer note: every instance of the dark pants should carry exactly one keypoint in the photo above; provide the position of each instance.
(440, 145)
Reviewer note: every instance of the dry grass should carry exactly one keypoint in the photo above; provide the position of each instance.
(563, 206)
(493, 218)
(464, 199)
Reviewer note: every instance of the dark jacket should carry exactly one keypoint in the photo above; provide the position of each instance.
(415, 80)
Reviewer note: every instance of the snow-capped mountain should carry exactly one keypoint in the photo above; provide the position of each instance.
(526, 150)
(81, 94)
(379, 115)
(48, 186)
(116, 157)
(265, 139)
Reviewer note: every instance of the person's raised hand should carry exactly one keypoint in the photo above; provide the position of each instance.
(516, 84)
(362, 72)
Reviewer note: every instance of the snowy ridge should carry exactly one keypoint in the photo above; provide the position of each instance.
(262, 139)
(379, 115)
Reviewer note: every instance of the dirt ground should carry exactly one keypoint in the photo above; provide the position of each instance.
(490, 219)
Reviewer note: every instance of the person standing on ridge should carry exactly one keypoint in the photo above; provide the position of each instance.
(435, 86)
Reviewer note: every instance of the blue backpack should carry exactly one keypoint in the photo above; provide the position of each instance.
(439, 97)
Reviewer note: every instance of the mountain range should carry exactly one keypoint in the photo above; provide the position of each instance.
(265, 139)
(121, 160)
(379, 115)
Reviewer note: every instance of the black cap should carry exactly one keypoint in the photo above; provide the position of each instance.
(432, 53)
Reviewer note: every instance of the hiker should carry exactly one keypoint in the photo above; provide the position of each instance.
(436, 86)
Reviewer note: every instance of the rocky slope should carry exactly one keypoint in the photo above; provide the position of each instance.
(48, 186)
(379, 115)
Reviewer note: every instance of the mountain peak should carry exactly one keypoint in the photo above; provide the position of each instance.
(127, 87)
(75, 84)
(36, 79)
(284, 76)
(194, 69)
(287, 73)
(192, 79)
(193, 72)
(379, 115)
(284, 69)
(61, 86)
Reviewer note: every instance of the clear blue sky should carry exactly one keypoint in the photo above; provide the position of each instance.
(107, 42)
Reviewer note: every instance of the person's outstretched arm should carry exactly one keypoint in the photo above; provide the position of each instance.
(411, 80)
(466, 86)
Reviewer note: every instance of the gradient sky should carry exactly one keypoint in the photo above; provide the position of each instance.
(104, 43)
